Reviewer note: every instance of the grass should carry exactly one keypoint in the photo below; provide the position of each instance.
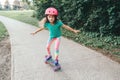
(108, 44)
(3, 31)
(24, 16)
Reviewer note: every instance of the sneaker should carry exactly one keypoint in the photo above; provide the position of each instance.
(56, 63)
(48, 57)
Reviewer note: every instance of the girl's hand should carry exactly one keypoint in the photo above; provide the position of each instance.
(76, 31)
(33, 33)
(38, 30)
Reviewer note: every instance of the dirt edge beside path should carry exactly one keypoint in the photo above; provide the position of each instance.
(5, 59)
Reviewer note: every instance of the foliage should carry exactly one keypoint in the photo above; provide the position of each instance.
(108, 43)
(3, 31)
(0, 6)
(100, 16)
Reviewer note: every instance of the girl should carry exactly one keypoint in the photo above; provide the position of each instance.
(53, 25)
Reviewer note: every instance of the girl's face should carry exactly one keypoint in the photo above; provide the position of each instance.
(51, 18)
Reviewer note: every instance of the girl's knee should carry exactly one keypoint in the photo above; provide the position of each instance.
(57, 51)
(48, 47)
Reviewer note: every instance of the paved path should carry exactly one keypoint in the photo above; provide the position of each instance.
(78, 62)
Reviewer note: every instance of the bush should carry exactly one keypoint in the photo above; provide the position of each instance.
(0, 6)
(100, 16)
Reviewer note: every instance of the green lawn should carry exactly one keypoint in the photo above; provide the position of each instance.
(3, 31)
(24, 16)
(108, 44)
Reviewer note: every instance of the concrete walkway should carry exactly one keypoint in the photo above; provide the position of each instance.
(78, 62)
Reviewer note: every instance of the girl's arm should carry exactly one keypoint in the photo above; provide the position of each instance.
(41, 23)
(38, 30)
(70, 29)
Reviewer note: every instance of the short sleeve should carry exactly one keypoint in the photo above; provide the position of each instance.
(45, 25)
(60, 23)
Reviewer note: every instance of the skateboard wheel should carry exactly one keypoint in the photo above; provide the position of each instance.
(45, 56)
(57, 68)
(45, 59)
(46, 62)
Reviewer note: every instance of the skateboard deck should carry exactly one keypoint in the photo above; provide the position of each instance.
(51, 63)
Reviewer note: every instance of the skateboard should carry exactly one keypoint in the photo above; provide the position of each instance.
(51, 63)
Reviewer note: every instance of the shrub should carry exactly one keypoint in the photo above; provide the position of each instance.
(99, 16)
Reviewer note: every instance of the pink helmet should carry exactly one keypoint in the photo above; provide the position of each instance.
(51, 11)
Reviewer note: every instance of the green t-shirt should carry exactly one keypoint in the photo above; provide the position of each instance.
(54, 30)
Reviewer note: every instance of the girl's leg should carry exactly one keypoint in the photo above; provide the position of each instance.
(57, 44)
(48, 46)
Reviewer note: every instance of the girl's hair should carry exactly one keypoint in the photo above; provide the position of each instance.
(54, 20)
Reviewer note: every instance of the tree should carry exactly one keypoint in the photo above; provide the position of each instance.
(26, 4)
(0, 6)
